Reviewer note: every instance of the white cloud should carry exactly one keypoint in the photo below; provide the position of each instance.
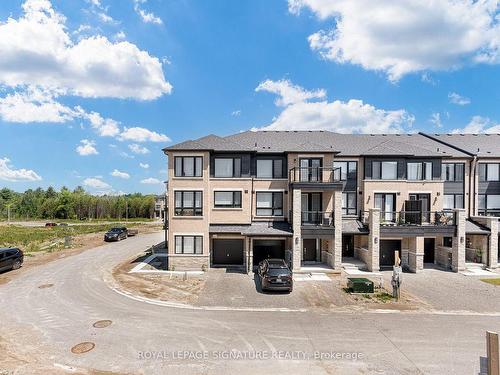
(458, 99)
(120, 35)
(144, 165)
(436, 120)
(236, 113)
(479, 124)
(86, 148)
(37, 50)
(147, 17)
(96, 183)
(405, 36)
(352, 116)
(138, 149)
(138, 134)
(288, 93)
(106, 127)
(117, 173)
(8, 173)
(150, 181)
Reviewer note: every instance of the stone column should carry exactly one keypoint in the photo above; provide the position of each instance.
(491, 259)
(374, 240)
(297, 235)
(337, 221)
(458, 245)
(416, 254)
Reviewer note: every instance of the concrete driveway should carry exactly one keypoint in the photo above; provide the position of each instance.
(47, 310)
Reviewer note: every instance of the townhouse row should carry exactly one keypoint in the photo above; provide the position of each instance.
(316, 197)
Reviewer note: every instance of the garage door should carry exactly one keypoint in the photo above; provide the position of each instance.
(227, 252)
(387, 249)
(265, 249)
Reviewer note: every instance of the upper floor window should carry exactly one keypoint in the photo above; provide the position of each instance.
(451, 201)
(385, 170)
(489, 204)
(227, 167)
(453, 171)
(227, 199)
(349, 203)
(347, 170)
(419, 171)
(188, 166)
(188, 244)
(188, 203)
(269, 168)
(489, 172)
(269, 203)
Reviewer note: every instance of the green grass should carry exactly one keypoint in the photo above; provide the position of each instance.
(492, 281)
(33, 239)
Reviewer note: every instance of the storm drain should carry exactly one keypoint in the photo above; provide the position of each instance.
(43, 286)
(102, 323)
(82, 347)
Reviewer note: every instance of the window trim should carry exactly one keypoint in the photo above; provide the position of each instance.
(182, 208)
(233, 158)
(195, 174)
(234, 192)
(182, 236)
(273, 208)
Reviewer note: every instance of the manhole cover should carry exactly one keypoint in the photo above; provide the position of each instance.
(102, 323)
(82, 347)
(43, 286)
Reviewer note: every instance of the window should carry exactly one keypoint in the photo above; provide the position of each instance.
(451, 201)
(385, 170)
(347, 170)
(188, 244)
(269, 203)
(272, 168)
(188, 203)
(227, 199)
(489, 172)
(453, 172)
(387, 205)
(447, 241)
(489, 204)
(188, 166)
(349, 203)
(419, 171)
(227, 167)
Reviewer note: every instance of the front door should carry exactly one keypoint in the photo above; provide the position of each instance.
(309, 250)
(429, 250)
(347, 245)
(387, 250)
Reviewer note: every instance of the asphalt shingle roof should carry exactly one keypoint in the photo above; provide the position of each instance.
(276, 228)
(485, 145)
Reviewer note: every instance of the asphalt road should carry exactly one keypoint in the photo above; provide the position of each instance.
(144, 338)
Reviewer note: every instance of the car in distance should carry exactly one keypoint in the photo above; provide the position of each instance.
(50, 224)
(275, 275)
(132, 232)
(11, 258)
(116, 234)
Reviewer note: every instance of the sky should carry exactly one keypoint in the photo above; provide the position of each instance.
(92, 90)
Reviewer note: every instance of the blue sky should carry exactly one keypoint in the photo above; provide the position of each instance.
(93, 89)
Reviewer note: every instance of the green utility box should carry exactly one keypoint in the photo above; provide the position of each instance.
(360, 285)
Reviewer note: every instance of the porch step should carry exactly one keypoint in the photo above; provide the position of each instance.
(475, 266)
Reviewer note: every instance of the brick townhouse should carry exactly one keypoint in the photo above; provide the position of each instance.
(317, 197)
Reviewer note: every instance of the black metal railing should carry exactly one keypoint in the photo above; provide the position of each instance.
(408, 218)
(495, 212)
(319, 218)
(314, 174)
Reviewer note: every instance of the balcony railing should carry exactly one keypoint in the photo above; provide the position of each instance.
(495, 213)
(314, 174)
(412, 218)
(318, 218)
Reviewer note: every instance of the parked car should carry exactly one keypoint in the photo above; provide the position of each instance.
(116, 234)
(50, 224)
(11, 258)
(63, 224)
(275, 275)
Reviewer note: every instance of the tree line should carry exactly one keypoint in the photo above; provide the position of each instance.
(76, 204)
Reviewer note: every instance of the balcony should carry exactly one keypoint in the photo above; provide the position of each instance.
(317, 223)
(315, 177)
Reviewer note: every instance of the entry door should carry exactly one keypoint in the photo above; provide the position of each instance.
(309, 251)
(429, 246)
(426, 205)
(387, 205)
(310, 170)
(347, 245)
(387, 249)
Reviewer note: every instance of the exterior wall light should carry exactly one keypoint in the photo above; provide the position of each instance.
(461, 239)
(375, 240)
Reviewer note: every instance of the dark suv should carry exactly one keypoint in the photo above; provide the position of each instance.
(275, 275)
(11, 258)
(116, 234)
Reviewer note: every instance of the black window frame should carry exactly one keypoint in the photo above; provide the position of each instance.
(273, 160)
(182, 237)
(448, 241)
(233, 205)
(455, 165)
(381, 162)
(484, 211)
(182, 174)
(349, 175)
(424, 170)
(483, 175)
(272, 208)
(455, 201)
(184, 211)
(350, 211)
(234, 158)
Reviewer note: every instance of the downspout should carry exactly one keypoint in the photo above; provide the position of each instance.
(472, 187)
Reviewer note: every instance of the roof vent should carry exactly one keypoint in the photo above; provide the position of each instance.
(255, 144)
(438, 149)
(478, 149)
